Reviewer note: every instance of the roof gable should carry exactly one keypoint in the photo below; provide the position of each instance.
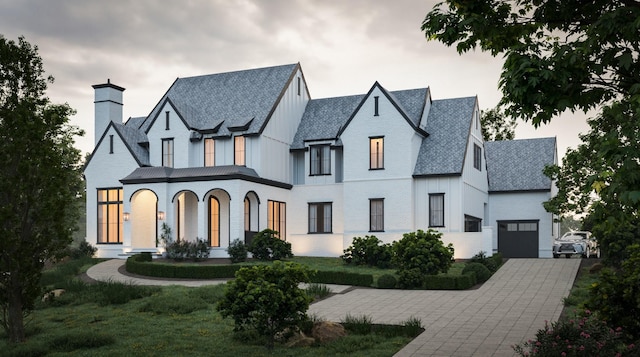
(232, 99)
(448, 125)
(517, 165)
(131, 137)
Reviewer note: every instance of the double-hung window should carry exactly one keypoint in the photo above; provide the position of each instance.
(436, 210)
(320, 158)
(239, 150)
(110, 215)
(376, 215)
(320, 217)
(209, 152)
(167, 152)
(376, 153)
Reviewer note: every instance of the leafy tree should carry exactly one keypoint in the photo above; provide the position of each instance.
(39, 181)
(267, 299)
(267, 246)
(496, 125)
(368, 251)
(419, 254)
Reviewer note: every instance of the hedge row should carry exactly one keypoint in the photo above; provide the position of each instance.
(139, 264)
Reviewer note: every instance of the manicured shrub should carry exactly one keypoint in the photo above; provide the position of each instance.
(419, 254)
(145, 257)
(267, 246)
(187, 250)
(585, 336)
(267, 299)
(341, 278)
(387, 281)
(489, 262)
(237, 251)
(440, 282)
(368, 251)
(482, 272)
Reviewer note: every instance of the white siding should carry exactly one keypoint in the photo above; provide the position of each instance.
(180, 134)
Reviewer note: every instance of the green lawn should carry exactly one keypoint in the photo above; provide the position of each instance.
(109, 319)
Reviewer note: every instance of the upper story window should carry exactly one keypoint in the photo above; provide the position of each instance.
(299, 86)
(477, 157)
(320, 158)
(166, 120)
(320, 217)
(209, 152)
(436, 210)
(167, 152)
(376, 102)
(376, 215)
(376, 153)
(239, 150)
(110, 144)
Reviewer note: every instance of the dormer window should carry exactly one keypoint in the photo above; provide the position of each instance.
(209, 152)
(239, 150)
(320, 158)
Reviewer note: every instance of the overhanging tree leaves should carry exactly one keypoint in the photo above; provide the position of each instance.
(39, 181)
(496, 125)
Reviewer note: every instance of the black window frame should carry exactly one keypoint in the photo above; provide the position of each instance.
(218, 223)
(244, 150)
(111, 144)
(379, 154)
(119, 214)
(472, 223)
(213, 158)
(320, 218)
(166, 120)
(376, 106)
(171, 155)
(373, 217)
(316, 167)
(440, 196)
(477, 157)
(280, 225)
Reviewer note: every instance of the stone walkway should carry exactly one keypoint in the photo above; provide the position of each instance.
(506, 310)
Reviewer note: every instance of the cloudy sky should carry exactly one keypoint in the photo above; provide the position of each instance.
(343, 47)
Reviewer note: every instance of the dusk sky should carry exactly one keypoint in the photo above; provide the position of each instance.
(344, 47)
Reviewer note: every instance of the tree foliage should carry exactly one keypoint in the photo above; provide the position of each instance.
(267, 246)
(39, 181)
(559, 55)
(496, 125)
(419, 254)
(369, 250)
(267, 299)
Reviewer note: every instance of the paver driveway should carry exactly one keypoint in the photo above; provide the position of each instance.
(506, 310)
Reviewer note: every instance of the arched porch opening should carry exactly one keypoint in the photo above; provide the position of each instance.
(144, 219)
(251, 218)
(185, 221)
(218, 215)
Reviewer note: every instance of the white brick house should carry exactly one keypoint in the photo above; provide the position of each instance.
(223, 156)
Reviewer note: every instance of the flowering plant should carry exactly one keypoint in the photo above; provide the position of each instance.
(582, 336)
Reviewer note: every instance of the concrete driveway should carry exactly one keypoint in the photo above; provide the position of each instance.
(508, 309)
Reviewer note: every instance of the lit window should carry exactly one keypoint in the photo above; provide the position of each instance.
(320, 160)
(209, 152)
(214, 222)
(247, 214)
(436, 210)
(239, 150)
(376, 153)
(167, 152)
(277, 217)
(376, 215)
(320, 217)
(110, 227)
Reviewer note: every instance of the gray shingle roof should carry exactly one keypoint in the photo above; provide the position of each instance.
(448, 125)
(516, 165)
(234, 98)
(168, 174)
(135, 122)
(133, 138)
(323, 118)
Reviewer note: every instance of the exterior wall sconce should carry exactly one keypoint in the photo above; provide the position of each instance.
(126, 216)
(160, 215)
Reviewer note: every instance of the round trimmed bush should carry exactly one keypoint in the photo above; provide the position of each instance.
(482, 272)
(387, 281)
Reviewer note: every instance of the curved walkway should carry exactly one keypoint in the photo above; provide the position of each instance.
(508, 309)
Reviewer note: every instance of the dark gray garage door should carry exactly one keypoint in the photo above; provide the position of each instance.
(518, 239)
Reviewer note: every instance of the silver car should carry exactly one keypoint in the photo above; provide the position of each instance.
(576, 243)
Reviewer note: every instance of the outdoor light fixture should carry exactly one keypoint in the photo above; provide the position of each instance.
(125, 216)
(160, 216)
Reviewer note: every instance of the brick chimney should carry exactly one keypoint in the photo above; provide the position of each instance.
(108, 106)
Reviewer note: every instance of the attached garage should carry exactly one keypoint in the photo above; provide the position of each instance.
(518, 239)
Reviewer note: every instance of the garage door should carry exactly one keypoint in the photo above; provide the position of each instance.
(518, 239)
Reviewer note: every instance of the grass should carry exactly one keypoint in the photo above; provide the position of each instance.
(112, 319)
(579, 293)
